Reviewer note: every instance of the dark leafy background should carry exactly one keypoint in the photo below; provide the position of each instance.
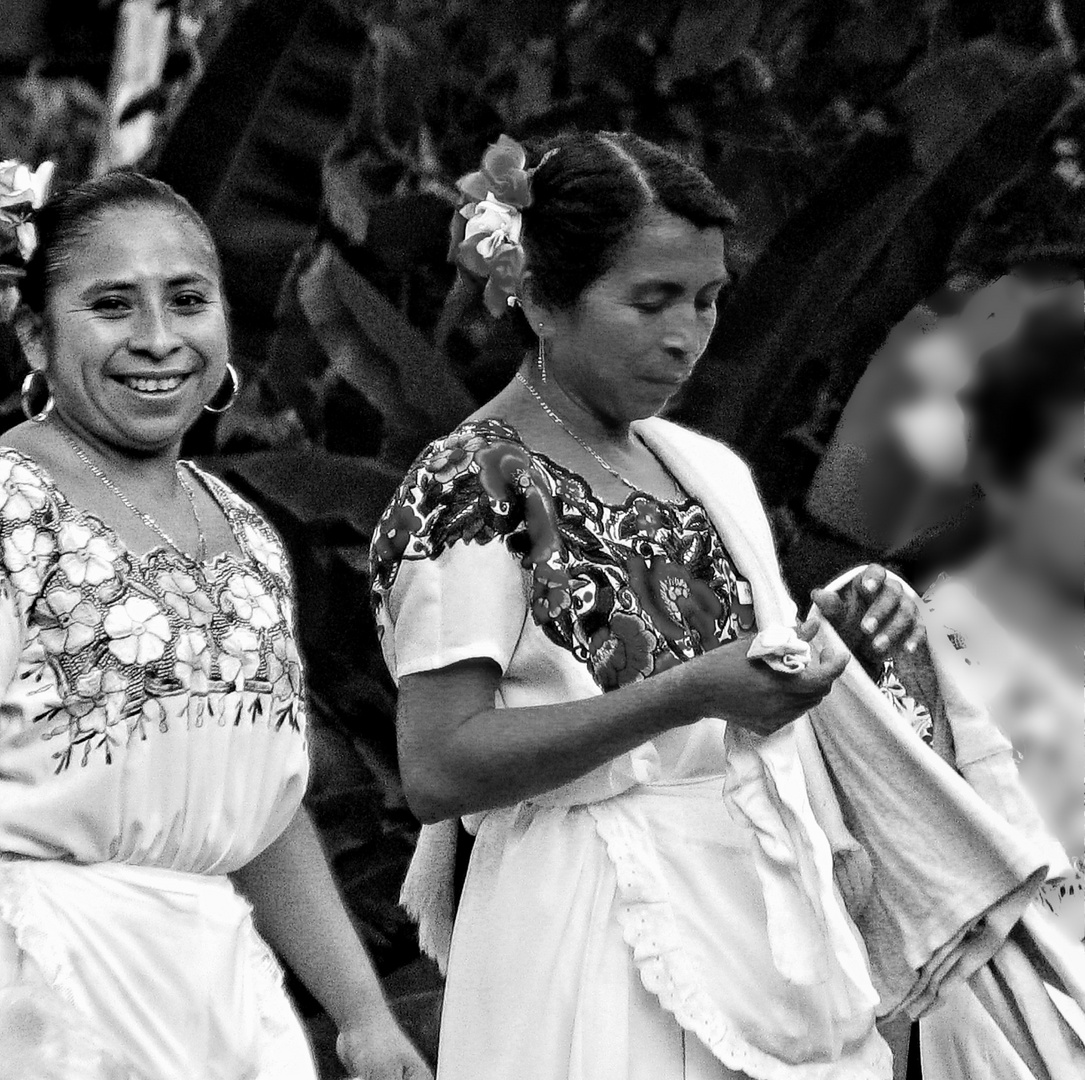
(880, 153)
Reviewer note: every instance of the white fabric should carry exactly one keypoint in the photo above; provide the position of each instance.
(1024, 1015)
(923, 945)
(165, 968)
(951, 876)
(781, 648)
(756, 958)
(133, 779)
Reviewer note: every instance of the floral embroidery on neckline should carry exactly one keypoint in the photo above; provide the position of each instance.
(629, 589)
(122, 633)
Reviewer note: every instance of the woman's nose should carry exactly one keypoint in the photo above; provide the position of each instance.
(685, 338)
(154, 334)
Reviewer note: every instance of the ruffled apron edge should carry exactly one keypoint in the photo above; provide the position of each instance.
(17, 907)
(649, 928)
(35, 941)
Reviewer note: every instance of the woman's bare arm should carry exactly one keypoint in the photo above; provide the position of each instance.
(459, 754)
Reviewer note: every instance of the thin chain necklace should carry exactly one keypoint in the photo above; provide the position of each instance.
(201, 552)
(572, 434)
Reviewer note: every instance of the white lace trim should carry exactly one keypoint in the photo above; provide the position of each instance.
(649, 927)
(16, 910)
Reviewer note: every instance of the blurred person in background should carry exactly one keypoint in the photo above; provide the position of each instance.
(153, 732)
(1014, 617)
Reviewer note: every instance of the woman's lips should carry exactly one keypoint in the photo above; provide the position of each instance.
(156, 384)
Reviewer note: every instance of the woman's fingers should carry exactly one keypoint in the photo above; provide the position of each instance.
(915, 638)
(818, 678)
(808, 630)
(897, 630)
(872, 579)
(832, 663)
(830, 604)
(882, 608)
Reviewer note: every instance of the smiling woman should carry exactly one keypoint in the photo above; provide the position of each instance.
(153, 746)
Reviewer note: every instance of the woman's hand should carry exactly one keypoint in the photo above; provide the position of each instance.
(873, 617)
(378, 1050)
(751, 694)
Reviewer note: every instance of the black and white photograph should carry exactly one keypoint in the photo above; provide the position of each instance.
(542, 540)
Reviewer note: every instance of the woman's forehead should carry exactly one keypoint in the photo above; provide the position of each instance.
(666, 245)
(143, 239)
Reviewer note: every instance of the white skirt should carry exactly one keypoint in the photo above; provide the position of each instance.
(163, 969)
(628, 941)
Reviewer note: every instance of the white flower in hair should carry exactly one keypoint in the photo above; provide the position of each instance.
(21, 192)
(496, 224)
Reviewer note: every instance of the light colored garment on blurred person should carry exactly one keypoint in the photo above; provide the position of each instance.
(1014, 621)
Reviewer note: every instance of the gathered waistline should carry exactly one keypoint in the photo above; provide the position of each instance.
(157, 878)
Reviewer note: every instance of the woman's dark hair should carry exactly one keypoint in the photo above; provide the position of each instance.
(590, 193)
(70, 216)
(1023, 387)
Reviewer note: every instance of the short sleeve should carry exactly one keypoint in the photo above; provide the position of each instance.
(12, 635)
(27, 551)
(452, 555)
(470, 602)
(28, 524)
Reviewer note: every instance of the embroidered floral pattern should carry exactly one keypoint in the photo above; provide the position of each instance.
(20, 494)
(912, 709)
(629, 590)
(124, 636)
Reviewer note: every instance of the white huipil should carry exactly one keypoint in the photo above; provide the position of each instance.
(152, 740)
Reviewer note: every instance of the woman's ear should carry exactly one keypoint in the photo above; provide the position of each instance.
(537, 312)
(30, 330)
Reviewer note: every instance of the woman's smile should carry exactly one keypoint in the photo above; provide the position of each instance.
(138, 331)
(154, 385)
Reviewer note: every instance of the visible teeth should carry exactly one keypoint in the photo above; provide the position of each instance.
(154, 386)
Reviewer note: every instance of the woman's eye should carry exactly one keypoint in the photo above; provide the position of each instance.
(190, 300)
(650, 307)
(110, 305)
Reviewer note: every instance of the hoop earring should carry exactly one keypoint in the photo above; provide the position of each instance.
(540, 360)
(27, 392)
(235, 389)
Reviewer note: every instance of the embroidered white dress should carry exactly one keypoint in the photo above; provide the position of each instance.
(152, 740)
(638, 923)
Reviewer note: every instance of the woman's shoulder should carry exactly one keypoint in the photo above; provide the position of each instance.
(29, 522)
(704, 447)
(477, 484)
(14, 458)
(27, 489)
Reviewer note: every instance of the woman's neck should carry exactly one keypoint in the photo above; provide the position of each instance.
(154, 468)
(598, 430)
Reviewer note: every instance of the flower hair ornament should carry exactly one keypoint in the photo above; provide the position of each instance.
(21, 193)
(486, 230)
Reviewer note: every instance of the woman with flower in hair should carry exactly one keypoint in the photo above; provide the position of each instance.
(601, 674)
(153, 727)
